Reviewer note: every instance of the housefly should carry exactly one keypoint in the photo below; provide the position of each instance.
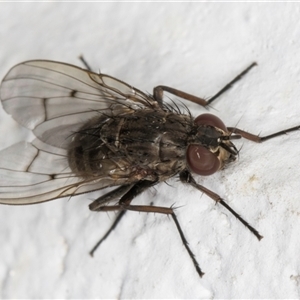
(94, 131)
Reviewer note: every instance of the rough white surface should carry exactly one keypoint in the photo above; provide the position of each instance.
(196, 47)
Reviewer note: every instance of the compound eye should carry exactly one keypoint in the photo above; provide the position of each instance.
(201, 161)
(209, 119)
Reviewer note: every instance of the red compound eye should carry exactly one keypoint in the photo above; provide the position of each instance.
(208, 119)
(201, 161)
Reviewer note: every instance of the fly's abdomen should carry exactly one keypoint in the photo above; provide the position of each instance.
(91, 155)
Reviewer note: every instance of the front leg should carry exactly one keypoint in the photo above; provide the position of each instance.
(258, 139)
(186, 177)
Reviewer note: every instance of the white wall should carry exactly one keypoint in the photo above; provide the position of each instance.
(196, 47)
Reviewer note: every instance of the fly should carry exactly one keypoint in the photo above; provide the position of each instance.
(94, 131)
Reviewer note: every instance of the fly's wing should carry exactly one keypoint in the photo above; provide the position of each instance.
(54, 99)
(36, 172)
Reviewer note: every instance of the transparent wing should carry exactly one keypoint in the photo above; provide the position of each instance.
(36, 172)
(54, 99)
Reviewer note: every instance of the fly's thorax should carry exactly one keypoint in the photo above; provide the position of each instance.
(151, 139)
(145, 141)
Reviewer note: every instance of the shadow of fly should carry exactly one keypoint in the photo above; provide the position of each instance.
(94, 131)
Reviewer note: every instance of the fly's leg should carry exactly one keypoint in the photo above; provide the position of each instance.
(160, 210)
(112, 227)
(186, 177)
(126, 194)
(258, 139)
(85, 63)
(231, 83)
(159, 90)
(111, 196)
(108, 197)
(124, 205)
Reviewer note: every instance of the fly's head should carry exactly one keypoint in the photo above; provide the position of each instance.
(210, 147)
